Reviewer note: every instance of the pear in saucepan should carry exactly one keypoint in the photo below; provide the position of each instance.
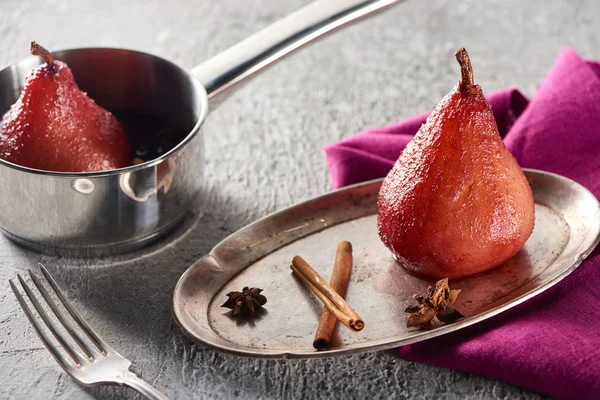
(456, 202)
(54, 126)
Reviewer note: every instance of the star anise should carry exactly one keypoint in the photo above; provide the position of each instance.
(248, 299)
(436, 304)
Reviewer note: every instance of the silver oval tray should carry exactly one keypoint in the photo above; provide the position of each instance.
(567, 228)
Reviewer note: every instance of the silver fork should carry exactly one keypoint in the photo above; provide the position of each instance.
(100, 365)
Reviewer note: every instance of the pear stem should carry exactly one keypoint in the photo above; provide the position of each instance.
(38, 50)
(466, 69)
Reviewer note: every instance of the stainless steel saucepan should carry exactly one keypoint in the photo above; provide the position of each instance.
(116, 211)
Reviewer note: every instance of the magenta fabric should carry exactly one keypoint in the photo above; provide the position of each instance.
(551, 343)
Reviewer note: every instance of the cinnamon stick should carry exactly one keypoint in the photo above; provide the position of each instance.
(333, 301)
(338, 282)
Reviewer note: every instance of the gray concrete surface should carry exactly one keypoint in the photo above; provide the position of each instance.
(264, 151)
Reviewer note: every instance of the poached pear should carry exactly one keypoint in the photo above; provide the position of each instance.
(54, 126)
(456, 201)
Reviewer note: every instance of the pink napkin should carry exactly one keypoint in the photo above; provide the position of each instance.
(551, 343)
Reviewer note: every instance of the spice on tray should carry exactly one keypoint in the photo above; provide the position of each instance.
(436, 304)
(338, 282)
(333, 301)
(248, 300)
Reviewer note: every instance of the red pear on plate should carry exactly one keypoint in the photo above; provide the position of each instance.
(456, 202)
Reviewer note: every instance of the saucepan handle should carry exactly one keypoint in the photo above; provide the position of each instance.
(279, 39)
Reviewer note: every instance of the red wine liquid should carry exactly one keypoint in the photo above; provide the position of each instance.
(149, 137)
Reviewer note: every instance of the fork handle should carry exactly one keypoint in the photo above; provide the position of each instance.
(133, 381)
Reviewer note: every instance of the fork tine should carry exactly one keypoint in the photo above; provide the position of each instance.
(62, 361)
(102, 346)
(76, 357)
(84, 346)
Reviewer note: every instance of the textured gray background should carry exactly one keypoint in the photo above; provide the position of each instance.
(264, 150)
